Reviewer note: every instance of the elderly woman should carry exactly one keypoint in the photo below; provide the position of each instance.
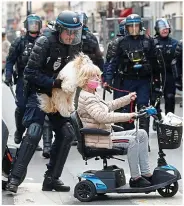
(96, 113)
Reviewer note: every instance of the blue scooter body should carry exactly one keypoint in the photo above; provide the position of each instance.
(161, 178)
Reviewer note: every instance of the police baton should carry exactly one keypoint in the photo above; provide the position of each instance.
(11, 88)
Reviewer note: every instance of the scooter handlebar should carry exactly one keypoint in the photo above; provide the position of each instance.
(139, 115)
(149, 111)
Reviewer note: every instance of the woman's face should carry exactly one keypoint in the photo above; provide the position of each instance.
(95, 78)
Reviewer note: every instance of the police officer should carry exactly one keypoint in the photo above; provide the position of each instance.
(90, 45)
(18, 55)
(165, 47)
(177, 65)
(111, 52)
(49, 55)
(134, 56)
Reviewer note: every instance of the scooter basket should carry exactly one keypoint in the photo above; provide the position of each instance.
(169, 137)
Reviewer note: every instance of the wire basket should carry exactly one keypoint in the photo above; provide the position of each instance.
(169, 137)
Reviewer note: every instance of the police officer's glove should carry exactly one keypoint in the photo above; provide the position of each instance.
(8, 81)
(57, 83)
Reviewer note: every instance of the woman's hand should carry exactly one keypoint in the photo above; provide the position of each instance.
(133, 96)
(133, 115)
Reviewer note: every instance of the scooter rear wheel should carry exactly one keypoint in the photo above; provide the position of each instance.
(169, 190)
(84, 191)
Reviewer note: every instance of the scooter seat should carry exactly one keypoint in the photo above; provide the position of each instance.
(103, 152)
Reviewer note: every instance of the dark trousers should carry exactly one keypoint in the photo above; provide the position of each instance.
(142, 88)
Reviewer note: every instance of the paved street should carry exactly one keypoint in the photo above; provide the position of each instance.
(30, 192)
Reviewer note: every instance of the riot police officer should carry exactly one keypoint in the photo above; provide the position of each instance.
(134, 56)
(49, 55)
(165, 47)
(90, 45)
(18, 55)
(111, 52)
(177, 65)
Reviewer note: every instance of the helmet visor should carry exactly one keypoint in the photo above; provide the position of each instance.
(133, 29)
(70, 36)
(163, 24)
(33, 25)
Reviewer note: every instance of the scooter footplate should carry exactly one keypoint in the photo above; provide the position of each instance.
(127, 189)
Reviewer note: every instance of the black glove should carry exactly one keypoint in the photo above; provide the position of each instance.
(8, 82)
(57, 83)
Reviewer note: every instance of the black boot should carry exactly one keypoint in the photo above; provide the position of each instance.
(59, 154)
(20, 129)
(47, 138)
(51, 183)
(25, 153)
(13, 184)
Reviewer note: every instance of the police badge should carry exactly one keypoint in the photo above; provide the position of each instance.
(57, 64)
(75, 19)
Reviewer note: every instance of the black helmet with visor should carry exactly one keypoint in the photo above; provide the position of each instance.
(33, 23)
(69, 26)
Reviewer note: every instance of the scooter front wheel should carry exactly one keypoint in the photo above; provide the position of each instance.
(169, 190)
(84, 191)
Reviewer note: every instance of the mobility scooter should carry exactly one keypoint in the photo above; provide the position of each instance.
(111, 179)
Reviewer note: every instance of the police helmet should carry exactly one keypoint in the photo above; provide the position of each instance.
(33, 23)
(132, 20)
(122, 28)
(161, 24)
(69, 27)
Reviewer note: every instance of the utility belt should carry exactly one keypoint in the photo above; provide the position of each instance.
(132, 73)
(135, 77)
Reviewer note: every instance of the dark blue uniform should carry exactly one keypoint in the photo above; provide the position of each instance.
(167, 47)
(90, 47)
(111, 53)
(18, 55)
(47, 58)
(132, 65)
(177, 65)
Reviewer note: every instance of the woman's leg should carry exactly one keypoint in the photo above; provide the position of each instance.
(127, 139)
(143, 152)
